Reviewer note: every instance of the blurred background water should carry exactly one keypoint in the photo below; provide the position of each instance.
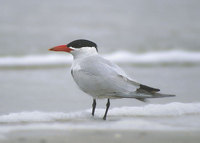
(29, 27)
(156, 42)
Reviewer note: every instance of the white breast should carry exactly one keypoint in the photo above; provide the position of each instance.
(76, 67)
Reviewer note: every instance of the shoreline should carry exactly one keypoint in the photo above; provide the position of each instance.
(99, 136)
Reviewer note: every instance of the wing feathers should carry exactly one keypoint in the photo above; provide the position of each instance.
(144, 88)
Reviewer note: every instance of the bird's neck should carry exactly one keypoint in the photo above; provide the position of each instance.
(84, 53)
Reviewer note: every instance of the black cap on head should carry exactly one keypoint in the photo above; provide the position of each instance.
(82, 43)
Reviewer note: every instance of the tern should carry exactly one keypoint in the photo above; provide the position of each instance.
(101, 78)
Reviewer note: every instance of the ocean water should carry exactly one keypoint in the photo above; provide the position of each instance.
(155, 42)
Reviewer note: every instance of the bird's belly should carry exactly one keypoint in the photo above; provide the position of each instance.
(98, 87)
(90, 85)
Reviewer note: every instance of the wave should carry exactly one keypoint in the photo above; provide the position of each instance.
(121, 57)
(153, 117)
(151, 110)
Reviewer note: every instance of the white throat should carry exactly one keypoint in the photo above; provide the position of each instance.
(83, 52)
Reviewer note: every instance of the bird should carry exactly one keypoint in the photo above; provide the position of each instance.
(101, 78)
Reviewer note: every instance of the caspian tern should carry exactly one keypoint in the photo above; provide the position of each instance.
(100, 78)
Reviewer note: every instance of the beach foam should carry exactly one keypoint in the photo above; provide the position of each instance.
(122, 57)
(154, 117)
(151, 110)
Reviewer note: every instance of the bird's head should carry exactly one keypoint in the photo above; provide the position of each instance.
(77, 47)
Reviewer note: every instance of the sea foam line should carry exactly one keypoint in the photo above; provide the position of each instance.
(124, 57)
(134, 124)
(152, 110)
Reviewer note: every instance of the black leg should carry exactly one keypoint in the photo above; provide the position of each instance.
(93, 106)
(107, 107)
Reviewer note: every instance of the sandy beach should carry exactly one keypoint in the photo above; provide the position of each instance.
(99, 136)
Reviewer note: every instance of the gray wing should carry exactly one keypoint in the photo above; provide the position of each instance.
(100, 77)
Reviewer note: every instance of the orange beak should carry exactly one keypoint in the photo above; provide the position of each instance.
(63, 48)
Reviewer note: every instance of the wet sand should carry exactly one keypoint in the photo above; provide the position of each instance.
(100, 136)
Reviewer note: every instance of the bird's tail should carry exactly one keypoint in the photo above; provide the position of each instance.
(156, 95)
(148, 92)
(144, 96)
(144, 92)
